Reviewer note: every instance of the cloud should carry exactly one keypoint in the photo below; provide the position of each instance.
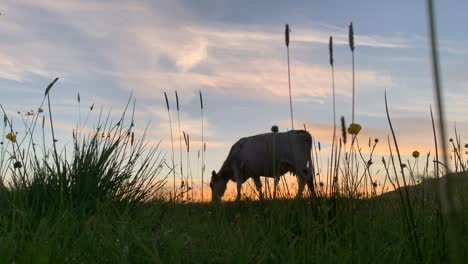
(193, 55)
(148, 50)
(9, 69)
(240, 63)
(240, 35)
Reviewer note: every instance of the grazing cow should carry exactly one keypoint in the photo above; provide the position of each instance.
(269, 155)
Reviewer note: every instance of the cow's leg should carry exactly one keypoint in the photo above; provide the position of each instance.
(258, 185)
(301, 183)
(310, 184)
(275, 186)
(308, 174)
(238, 178)
(276, 175)
(304, 177)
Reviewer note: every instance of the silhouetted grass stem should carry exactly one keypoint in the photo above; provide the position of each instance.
(446, 194)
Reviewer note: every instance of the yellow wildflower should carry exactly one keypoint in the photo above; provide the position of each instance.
(416, 154)
(12, 137)
(354, 129)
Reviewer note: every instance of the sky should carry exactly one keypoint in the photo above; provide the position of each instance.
(234, 53)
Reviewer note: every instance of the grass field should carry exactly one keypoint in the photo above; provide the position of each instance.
(104, 204)
(102, 201)
(272, 231)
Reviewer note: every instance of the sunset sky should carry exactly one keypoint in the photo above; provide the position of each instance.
(234, 53)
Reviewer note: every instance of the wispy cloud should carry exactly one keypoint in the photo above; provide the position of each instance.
(129, 48)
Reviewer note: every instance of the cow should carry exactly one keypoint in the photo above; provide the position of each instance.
(268, 155)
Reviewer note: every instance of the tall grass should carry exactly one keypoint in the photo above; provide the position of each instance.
(287, 30)
(405, 201)
(436, 165)
(105, 164)
(174, 194)
(182, 182)
(333, 174)
(203, 146)
(351, 46)
(446, 192)
(188, 170)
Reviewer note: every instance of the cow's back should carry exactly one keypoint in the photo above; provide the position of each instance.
(262, 155)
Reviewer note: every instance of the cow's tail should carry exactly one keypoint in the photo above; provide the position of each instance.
(308, 140)
(310, 163)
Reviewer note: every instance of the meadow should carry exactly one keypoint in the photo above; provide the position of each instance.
(104, 198)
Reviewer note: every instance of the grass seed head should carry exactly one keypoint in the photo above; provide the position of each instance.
(17, 164)
(167, 101)
(50, 86)
(201, 99)
(351, 37)
(343, 129)
(330, 49)
(286, 35)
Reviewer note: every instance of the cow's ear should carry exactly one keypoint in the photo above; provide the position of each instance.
(213, 174)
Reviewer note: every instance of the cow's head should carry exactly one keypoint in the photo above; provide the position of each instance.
(218, 186)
